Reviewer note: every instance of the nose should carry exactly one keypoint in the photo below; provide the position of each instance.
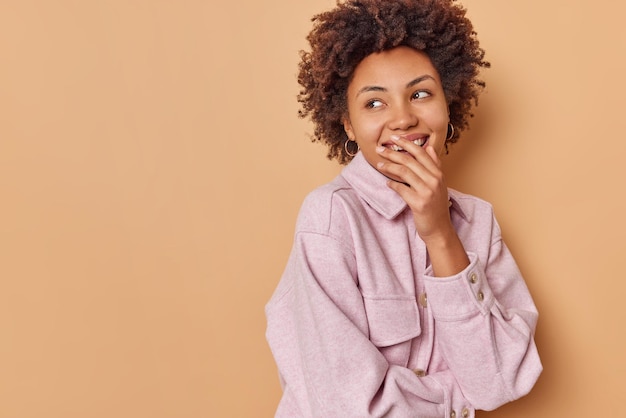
(402, 117)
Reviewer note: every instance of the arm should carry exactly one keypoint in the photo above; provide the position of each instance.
(318, 332)
(484, 316)
(485, 322)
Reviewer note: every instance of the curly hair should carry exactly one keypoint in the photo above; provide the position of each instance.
(342, 37)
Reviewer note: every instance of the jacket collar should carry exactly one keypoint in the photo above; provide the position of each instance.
(371, 186)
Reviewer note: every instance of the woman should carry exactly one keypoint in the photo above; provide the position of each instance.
(399, 298)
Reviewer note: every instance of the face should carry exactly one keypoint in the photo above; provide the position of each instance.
(396, 92)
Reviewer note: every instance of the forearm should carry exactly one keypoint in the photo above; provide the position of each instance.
(320, 335)
(487, 343)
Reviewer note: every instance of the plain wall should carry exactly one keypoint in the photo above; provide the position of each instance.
(152, 165)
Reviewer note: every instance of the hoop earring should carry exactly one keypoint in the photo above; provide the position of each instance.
(345, 147)
(450, 131)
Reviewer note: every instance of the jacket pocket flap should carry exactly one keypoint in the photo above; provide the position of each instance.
(392, 319)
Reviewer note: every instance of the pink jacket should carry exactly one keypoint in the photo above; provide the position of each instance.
(359, 327)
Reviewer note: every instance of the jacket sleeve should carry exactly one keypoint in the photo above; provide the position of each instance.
(485, 321)
(318, 334)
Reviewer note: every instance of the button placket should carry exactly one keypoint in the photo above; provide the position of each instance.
(420, 358)
(473, 279)
(422, 300)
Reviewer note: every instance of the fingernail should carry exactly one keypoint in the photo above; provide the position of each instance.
(395, 137)
(380, 149)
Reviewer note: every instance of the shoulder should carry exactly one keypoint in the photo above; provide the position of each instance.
(324, 208)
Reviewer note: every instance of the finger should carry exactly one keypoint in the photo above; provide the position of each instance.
(421, 200)
(418, 153)
(408, 169)
(400, 173)
(399, 167)
(403, 158)
(405, 191)
(430, 150)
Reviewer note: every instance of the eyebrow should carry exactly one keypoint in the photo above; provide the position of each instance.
(408, 85)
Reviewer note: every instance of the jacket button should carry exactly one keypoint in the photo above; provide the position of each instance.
(473, 278)
(465, 413)
(453, 414)
(423, 300)
(419, 372)
(480, 296)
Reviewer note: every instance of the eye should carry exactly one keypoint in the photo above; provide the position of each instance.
(420, 94)
(373, 104)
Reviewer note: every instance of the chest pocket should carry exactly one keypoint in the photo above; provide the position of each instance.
(392, 319)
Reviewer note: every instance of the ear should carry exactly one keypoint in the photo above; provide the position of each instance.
(347, 127)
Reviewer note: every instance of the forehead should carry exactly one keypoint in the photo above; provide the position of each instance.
(398, 65)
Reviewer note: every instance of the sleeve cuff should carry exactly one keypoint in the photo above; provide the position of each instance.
(458, 297)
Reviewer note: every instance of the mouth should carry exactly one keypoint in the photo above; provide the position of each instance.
(420, 142)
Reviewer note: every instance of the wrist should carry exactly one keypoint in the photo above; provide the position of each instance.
(442, 238)
(447, 254)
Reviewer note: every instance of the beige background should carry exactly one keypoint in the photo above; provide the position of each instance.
(152, 166)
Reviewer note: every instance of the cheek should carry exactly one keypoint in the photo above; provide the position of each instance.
(438, 121)
(439, 124)
(366, 127)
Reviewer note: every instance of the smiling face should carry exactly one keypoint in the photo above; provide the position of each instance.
(396, 92)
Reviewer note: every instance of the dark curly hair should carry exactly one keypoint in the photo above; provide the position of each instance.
(354, 29)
